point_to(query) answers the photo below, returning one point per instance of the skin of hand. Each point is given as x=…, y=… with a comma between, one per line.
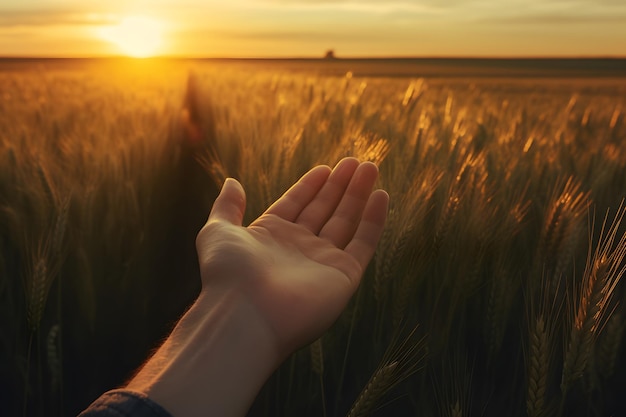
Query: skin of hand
x=267, y=289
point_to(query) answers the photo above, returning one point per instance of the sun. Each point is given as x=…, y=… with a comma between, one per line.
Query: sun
x=135, y=36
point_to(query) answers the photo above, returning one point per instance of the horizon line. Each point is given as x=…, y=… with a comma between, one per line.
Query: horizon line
x=320, y=58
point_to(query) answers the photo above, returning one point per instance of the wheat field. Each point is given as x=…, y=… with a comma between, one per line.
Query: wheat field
x=496, y=288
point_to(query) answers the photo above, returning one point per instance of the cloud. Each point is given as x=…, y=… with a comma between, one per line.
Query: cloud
x=395, y=3
x=588, y=3
x=558, y=19
x=367, y=6
x=558, y=11
x=303, y=35
x=15, y=18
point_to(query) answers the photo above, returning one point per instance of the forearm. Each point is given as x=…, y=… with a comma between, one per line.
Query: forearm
x=213, y=363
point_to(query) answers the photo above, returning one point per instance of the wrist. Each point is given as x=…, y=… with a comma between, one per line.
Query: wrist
x=214, y=362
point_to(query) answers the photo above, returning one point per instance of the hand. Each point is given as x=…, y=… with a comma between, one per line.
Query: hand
x=266, y=289
x=299, y=263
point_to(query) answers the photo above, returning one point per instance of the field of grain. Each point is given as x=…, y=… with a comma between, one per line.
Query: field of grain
x=496, y=289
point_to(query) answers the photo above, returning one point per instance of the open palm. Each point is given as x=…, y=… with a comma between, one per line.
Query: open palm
x=299, y=263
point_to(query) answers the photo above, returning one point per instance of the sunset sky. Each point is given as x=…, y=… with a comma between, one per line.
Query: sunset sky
x=279, y=28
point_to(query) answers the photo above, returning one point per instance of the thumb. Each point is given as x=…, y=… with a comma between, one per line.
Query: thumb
x=230, y=204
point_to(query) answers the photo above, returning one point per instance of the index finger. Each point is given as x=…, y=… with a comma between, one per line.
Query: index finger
x=294, y=200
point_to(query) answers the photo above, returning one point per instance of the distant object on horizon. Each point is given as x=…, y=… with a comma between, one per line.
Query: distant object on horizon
x=330, y=54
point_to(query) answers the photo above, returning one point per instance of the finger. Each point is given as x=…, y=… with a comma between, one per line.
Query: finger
x=318, y=211
x=291, y=204
x=230, y=204
x=340, y=228
x=363, y=244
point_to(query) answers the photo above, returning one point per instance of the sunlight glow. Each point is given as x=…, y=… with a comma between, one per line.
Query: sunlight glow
x=135, y=36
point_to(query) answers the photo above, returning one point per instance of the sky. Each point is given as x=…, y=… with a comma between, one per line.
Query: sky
x=308, y=28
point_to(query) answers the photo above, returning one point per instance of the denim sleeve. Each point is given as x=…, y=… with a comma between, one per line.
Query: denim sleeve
x=124, y=403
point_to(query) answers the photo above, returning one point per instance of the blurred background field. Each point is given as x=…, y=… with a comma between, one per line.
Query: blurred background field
x=504, y=244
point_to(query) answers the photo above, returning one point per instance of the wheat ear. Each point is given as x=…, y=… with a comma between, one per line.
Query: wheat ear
x=537, y=369
x=60, y=227
x=455, y=410
x=585, y=327
x=37, y=292
x=317, y=357
x=54, y=357
x=402, y=359
x=602, y=274
x=377, y=386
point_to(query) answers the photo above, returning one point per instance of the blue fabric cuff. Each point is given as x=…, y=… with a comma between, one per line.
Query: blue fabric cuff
x=124, y=403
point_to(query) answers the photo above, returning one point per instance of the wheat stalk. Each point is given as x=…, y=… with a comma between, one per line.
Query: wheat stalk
x=500, y=294
x=317, y=364
x=610, y=344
